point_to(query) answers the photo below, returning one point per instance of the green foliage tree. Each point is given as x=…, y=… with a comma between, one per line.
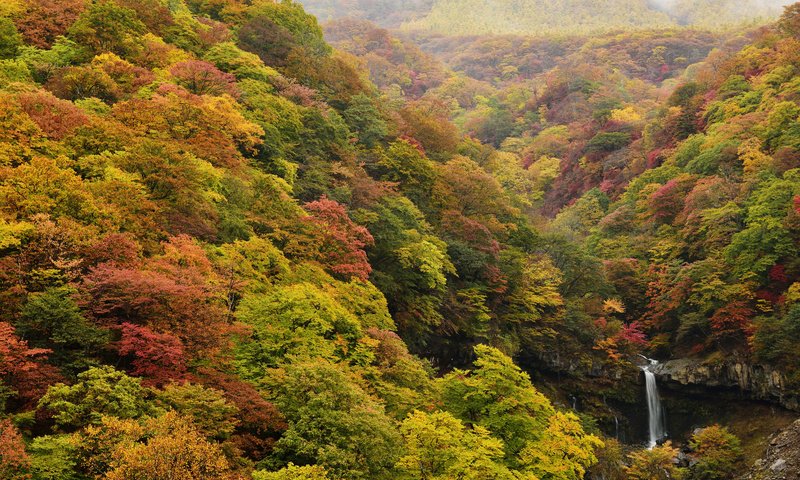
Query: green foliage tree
x=718, y=452
x=411, y=263
x=767, y=237
x=10, y=40
x=53, y=457
x=207, y=408
x=407, y=165
x=302, y=26
x=499, y=396
x=333, y=423
x=362, y=116
x=655, y=464
x=438, y=446
x=108, y=27
x=298, y=321
x=52, y=320
x=99, y=391
x=293, y=472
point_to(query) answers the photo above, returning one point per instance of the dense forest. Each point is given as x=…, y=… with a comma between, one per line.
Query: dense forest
x=236, y=243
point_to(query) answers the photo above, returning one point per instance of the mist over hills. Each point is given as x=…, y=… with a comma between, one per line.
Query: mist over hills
x=388, y=13
x=468, y=17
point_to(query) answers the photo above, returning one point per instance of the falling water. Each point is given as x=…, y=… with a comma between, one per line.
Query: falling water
x=654, y=410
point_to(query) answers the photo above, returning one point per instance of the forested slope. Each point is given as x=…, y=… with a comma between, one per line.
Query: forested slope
x=212, y=226
x=229, y=250
x=664, y=156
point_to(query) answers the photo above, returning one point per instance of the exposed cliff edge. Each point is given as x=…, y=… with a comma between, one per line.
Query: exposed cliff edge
x=755, y=381
x=782, y=458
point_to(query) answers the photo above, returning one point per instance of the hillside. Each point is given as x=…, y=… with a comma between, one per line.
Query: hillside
x=235, y=245
x=213, y=227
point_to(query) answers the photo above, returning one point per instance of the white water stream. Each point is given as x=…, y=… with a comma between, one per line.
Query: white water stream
x=655, y=412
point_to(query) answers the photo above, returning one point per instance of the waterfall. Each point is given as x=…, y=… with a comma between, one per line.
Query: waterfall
x=654, y=410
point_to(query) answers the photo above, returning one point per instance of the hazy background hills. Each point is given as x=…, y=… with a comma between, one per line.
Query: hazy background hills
x=466, y=17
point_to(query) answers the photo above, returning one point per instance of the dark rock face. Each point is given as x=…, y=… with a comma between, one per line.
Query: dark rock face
x=782, y=459
x=756, y=381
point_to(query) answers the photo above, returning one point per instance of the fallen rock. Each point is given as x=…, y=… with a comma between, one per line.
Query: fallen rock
x=782, y=458
x=778, y=466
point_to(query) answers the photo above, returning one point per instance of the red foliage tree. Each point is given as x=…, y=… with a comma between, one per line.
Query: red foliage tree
x=115, y=248
x=331, y=238
x=215, y=32
x=203, y=78
x=732, y=324
x=14, y=462
x=157, y=356
x=57, y=118
x=632, y=334
x=471, y=231
x=778, y=274
x=668, y=201
x=173, y=293
x=21, y=367
x=260, y=422
x=666, y=293
x=15, y=356
x=44, y=20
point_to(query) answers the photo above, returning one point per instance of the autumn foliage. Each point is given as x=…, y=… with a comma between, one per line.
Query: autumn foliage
x=230, y=249
x=157, y=357
x=331, y=238
x=14, y=461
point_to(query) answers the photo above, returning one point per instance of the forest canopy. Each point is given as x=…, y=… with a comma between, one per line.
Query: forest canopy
x=236, y=243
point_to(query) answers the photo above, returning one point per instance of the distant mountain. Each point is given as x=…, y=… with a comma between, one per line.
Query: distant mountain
x=387, y=13
x=537, y=17
x=468, y=17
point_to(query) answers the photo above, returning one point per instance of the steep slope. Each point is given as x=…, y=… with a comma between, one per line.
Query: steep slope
x=213, y=227
x=782, y=460
x=226, y=253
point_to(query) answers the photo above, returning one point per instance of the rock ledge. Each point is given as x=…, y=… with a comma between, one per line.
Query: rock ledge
x=756, y=381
